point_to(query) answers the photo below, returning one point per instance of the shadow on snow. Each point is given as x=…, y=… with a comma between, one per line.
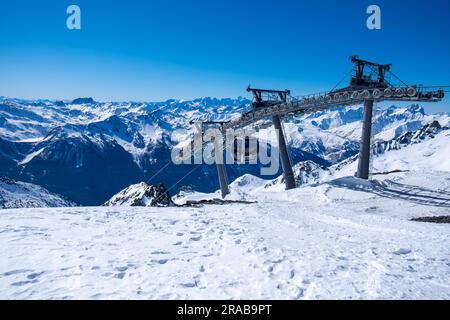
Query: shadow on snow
x=394, y=190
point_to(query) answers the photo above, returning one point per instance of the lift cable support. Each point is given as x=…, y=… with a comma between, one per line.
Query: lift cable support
x=220, y=166
x=273, y=99
x=371, y=83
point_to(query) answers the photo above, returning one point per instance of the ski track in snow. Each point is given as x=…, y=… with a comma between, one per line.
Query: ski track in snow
x=322, y=242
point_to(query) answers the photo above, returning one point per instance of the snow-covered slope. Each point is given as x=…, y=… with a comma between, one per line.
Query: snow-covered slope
x=102, y=148
x=429, y=131
x=309, y=172
x=431, y=154
x=342, y=238
x=335, y=135
x=141, y=195
x=15, y=194
x=329, y=242
x=306, y=172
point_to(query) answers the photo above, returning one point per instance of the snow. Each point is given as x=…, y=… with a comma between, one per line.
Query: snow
x=342, y=239
x=428, y=155
x=31, y=156
x=15, y=194
x=433, y=154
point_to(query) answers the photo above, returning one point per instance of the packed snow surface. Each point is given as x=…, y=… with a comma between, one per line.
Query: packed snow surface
x=342, y=238
x=346, y=239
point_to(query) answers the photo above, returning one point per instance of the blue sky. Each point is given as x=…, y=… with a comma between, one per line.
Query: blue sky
x=155, y=50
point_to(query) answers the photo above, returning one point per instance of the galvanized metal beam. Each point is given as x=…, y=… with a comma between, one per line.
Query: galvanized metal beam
x=365, y=150
x=223, y=180
x=286, y=164
x=339, y=98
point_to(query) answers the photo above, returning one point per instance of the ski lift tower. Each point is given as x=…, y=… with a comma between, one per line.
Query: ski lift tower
x=363, y=81
x=266, y=99
x=369, y=84
x=220, y=166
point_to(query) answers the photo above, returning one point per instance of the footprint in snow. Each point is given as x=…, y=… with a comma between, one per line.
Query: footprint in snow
x=122, y=269
x=160, y=252
x=292, y=274
x=402, y=251
x=293, y=291
x=13, y=272
x=35, y=275
x=161, y=261
x=22, y=283
x=188, y=285
x=196, y=238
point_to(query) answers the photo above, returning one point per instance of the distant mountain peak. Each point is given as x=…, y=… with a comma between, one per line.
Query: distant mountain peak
x=100, y=147
x=84, y=101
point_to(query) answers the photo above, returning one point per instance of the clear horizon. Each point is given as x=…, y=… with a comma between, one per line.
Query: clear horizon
x=153, y=51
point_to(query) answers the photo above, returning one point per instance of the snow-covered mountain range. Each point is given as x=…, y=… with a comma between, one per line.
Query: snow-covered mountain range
x=15, y=194
x=337, y=238
x=88, y=151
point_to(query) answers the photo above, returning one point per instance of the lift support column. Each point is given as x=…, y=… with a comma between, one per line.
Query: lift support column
x=288, y=174
x=221, y=172
x=223, y=181
x=365, y=152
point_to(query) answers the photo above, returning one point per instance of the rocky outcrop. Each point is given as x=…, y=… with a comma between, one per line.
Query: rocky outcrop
x=141, y=195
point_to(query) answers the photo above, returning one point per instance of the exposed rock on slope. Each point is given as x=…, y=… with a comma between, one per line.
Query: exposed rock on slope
x=141, y=195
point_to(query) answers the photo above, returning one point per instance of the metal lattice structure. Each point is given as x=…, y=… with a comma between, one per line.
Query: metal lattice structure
x=334, y=99
x=370, y=84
